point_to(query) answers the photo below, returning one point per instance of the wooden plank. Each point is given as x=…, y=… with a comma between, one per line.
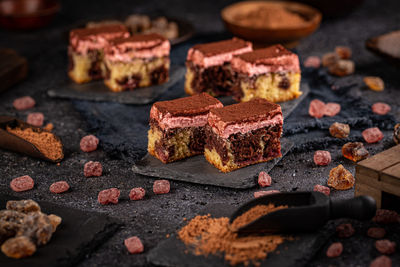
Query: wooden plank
x=393, y=171
x=378, y=184
x=362, y=170
x=382, y=160
x=368, y=180
x=363, y=189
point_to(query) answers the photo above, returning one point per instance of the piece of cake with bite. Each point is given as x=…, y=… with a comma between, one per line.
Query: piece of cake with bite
x=243, y=134
x=86, y=51
x=272, y=73
x=177, y=127
x=138, y=61
x=208, y=66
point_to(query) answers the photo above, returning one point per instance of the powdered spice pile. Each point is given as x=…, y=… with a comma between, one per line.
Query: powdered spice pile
x=207, y=235
x=274, y=16
x=44, y=141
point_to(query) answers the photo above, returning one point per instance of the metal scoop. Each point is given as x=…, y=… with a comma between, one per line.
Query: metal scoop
x=307, y=211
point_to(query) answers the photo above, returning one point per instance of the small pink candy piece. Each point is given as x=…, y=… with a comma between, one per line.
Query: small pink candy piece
x=316, y=109
x=381, y=108
x=264, y=193
x=381, y=261
x=89, y=143
x=108, y=196
x=372, y=135
x=385, y=246
x=322, y=157
x=59, y=187
x=334, y=250
x=312, y=62
x=92, y=168
x=323, y=189
x=331, y=109
x=35, y=119
x=25, y=102
x=137, y=193
x=161, y=187
x=23, y=183
x=134, y=245
x=264, y=179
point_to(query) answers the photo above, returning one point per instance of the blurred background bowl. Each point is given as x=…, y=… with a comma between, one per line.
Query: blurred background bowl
x=27, y=14
x=265, y=35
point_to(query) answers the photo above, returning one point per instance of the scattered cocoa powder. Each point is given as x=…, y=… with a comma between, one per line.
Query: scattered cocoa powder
x=271, y=16
x=253, y=214
x=207, y=235
x=44, y=141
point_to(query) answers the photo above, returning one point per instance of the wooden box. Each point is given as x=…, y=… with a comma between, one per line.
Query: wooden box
x=379, y=177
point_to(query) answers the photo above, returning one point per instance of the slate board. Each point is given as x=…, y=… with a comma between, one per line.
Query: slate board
x=296, y=253
x=79, y=234
x=287, y=107
x=97, y=91
x=198, y=170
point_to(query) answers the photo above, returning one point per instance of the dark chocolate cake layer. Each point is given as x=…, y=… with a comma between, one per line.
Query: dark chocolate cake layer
x=215, y=79
x=247, y=148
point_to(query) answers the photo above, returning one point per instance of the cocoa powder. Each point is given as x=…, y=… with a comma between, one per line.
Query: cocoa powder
x=271, y=16
x=44, y=141
x=207, y=235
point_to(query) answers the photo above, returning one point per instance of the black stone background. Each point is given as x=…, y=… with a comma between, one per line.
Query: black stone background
x=156, y=216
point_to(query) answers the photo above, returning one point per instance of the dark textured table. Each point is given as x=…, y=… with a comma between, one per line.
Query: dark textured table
x=156, y=216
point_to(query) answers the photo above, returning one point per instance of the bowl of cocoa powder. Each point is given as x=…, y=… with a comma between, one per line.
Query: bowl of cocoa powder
x=270, y=22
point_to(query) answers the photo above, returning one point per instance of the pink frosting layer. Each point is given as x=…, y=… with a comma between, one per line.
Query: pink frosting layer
x=95, y=42
x=167, y=121
x=223, y=130
x=198, y=58
x=284, y=63
x=129, y=50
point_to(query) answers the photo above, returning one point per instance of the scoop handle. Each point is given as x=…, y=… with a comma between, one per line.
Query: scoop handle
x=360, y=208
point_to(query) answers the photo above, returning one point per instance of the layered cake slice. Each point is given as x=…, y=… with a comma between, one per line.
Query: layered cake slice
x=86, y=50
x=138, y=61
x=242, y=134
x=208, y=66
x=177, y=127
x=272, y=73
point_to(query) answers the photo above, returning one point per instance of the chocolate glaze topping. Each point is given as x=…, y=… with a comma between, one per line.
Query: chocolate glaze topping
x=252, y=110
x=215, y=48
x=140, y=38
x=188, y=106
x=85, y=32
x=259, y=56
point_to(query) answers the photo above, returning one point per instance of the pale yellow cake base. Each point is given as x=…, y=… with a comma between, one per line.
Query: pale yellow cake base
x=137, y=67
x=81, y=67
x=189, y=76
x=266, y=86
x=213, y=157
x=180, y=141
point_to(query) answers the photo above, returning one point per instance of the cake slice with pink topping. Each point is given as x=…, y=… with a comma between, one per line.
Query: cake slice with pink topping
x=138, y=61
x=177, y=127
x=243, y=134
x=86, y=51
x=272, y=73
x=208, y=66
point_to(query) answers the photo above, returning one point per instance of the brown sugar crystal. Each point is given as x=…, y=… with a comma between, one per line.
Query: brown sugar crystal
x=44, y=141
x=207, y=235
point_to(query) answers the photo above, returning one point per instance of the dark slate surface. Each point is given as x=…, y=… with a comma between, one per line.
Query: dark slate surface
x=78, y=234
x=98, y=91
x=199, y=171
x=297, y=252
x=156, y=216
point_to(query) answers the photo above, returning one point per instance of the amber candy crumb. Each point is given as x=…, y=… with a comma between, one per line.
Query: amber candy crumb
x=343, y=52
x=339, y=130
x=355, y=151
x=340, y=178
x=342, y=67
x=374, y=83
